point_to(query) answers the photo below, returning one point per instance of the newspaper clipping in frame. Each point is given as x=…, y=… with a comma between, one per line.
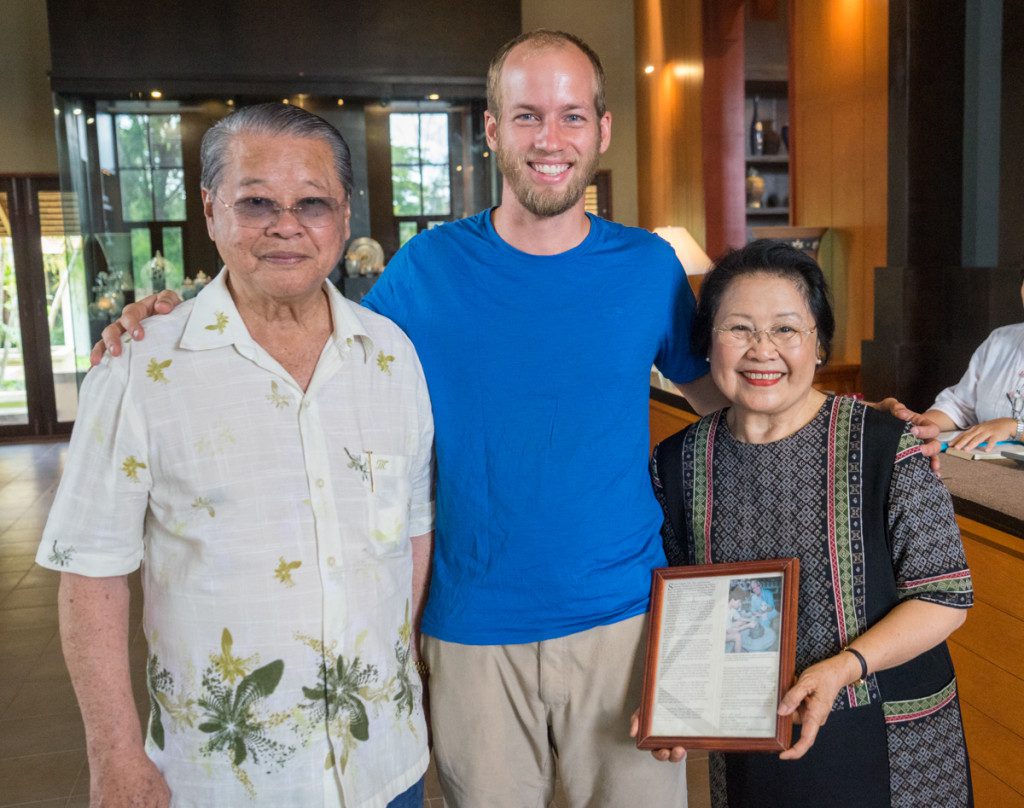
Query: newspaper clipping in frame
x=720, y=654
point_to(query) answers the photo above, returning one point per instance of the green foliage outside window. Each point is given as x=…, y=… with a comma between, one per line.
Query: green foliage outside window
x=150, y=167
x=419, y=164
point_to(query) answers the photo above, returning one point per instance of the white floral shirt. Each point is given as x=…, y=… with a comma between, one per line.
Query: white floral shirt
x=273, y=530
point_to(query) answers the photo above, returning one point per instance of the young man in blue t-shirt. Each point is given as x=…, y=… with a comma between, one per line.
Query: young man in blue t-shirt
x=537, y=326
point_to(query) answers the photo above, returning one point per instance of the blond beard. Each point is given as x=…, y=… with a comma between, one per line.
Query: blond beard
x=538, y=200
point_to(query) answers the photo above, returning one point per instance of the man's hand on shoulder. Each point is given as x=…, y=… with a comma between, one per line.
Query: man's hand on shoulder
x=131, y=781
x=923, y=428
x=130, y=322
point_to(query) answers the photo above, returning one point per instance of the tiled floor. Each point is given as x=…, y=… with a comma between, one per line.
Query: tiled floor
x=42, y=744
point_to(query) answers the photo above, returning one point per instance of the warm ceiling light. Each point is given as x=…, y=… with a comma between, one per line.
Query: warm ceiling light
x=56, y=111
x=90, y=121
x=487, y=154
x=230, y=102
x=285, y=101
x=682, y=71
x=341, y=102
x=433, y=97
x=155, y=94
x=77, y=111
x=458, y=168
x=649, y=69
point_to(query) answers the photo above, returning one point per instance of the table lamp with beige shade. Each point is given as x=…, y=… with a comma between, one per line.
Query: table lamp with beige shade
x=690, y=254
x=696, y=263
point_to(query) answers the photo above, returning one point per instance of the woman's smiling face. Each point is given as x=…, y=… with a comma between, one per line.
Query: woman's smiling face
x=763, y=378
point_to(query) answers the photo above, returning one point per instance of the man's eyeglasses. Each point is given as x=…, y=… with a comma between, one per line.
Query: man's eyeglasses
x=781, y=336
x=260, y=212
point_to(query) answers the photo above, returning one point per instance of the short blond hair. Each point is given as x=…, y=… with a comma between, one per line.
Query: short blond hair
x=537, y=40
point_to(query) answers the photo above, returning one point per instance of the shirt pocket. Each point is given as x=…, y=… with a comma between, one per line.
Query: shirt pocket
x=927, y=753
x=389, y=497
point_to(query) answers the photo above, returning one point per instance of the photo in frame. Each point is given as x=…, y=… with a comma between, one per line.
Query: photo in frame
x=721, y=652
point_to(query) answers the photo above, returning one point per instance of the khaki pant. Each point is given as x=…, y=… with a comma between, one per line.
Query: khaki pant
x=505, y=716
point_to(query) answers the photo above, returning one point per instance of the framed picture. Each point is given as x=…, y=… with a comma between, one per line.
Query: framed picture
x=721, y=653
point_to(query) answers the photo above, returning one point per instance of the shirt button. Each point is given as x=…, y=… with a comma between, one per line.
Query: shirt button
x=319, y=483
x=305, y=404
x=331, y=561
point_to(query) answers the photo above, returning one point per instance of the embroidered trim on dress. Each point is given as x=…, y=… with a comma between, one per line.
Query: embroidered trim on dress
x=910, y=709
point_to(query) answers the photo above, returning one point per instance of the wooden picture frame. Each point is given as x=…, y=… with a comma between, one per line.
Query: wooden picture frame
x=719, y=661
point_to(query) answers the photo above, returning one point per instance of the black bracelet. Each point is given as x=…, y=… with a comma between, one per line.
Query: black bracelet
x=863, y=664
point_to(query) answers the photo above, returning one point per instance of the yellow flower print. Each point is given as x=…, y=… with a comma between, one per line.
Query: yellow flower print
x=220, y=324
x=155, y=370
x=227, y=664
x=131, y=466
x=284, y=569
x=279, y=399
x=384, y=362
x=405, y=630
x=204, y=504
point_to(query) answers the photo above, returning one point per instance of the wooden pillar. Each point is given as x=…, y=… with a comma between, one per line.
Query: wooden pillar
x=724, y=127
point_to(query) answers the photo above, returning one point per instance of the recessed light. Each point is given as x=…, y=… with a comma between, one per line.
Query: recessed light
x=433, y=97
x=649, y=69
x=155, y=94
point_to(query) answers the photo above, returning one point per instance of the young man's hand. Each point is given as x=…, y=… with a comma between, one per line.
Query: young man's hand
x=130, y=322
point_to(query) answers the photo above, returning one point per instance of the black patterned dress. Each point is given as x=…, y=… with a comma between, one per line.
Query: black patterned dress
x=851, y=495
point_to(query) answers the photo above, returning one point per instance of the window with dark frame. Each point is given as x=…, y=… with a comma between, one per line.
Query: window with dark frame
x=420, y=171
x=143, y=150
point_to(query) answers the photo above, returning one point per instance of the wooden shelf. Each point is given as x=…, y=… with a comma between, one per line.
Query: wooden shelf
x=767, y=211
x=768, y=159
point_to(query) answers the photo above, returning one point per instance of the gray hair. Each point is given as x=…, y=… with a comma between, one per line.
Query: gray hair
x=271, y=119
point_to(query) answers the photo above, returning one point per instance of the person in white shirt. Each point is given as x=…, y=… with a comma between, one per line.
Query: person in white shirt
x=988, y=402
x=265, y=455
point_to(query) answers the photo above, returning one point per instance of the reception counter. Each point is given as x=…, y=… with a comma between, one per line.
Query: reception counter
x=988, y=650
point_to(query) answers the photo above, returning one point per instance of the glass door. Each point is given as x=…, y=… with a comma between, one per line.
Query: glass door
x=41, y=289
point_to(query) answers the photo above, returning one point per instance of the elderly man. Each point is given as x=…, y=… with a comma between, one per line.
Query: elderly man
x=265, y=454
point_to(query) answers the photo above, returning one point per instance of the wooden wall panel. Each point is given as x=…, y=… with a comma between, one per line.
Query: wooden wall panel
x=995, y=748
x=666, y=421
x=990, y=790
x=668, y=107
x=989, y=689
x=988, y=652
x=876, y=149
x=839, y=99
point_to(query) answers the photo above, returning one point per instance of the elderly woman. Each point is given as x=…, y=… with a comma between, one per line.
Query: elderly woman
x=265, y=455
x=794, y=472
x=988, y=402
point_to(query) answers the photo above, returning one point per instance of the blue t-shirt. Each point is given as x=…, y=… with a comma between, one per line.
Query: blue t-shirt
x=539, y=377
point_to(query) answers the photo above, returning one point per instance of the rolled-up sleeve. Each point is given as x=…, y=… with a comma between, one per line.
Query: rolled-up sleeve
x=95, y=527
x=421, y=511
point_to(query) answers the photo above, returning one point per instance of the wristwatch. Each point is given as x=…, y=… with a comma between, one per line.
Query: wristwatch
x=1019, y=434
